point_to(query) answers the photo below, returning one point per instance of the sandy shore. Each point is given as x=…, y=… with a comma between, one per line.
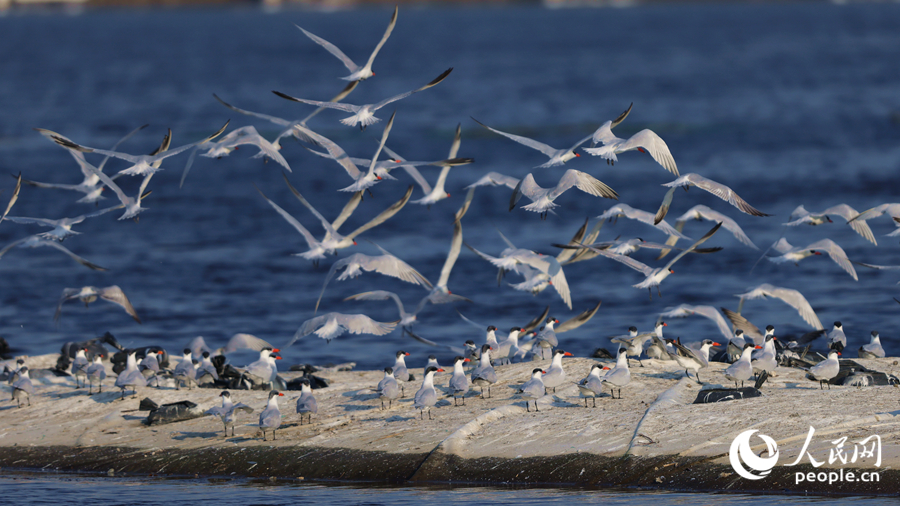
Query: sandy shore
x=653, y=437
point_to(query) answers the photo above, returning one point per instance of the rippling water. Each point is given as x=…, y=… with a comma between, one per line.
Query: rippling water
x=788, y=104
x=149, y=492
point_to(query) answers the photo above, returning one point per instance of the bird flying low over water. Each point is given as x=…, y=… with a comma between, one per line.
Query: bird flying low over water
x=795, y=254
x=364, y=115
x=34, y=241
x=701, y=212
x=331, y=325
x=631, y=213
x=718, y=189
x=88, y=294
x=357, y=73
x=542, y=198
x=385, y=264
x=800, y=216
x=790, y=297
x=645, y=141
x=557, y=156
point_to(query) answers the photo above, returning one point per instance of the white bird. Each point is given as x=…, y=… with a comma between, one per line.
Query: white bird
x=306, y=403
x=827, y=369
x=533, y=389
x=710, y=312
x=655, y=276
x=440, y=293
x=741, y=370
x=592, y=385
x=765, y=360
x=142, y=165
x=270, y=418
x=557, y=156
x=185, y=372
x=555, y=375
x=795, y=254
x=288, y=125
x=61, y=228
x=388, y=387
x=522, y=261
x=357, y=73
x=385, y=264
x=227, y=411
x=495, y=179
x=332, y=240
x=331, y=325
x=790, y=297
x=364, y=115
x=718, y=189
x=79, y=366
x=437, y=193
x=542, y=198
x=631, y=213
x=365, y=180
x=619, y=376
x=873, y=349
x=130, y=376
x=406, y=319
x=233, y=140
x=837, y=336
x=426, y=396
x=800, y=216
x=645, y=141
x=484, y=375
x=693, y=359
x=459, y=382
x=892, y=210
x=22, y=388
x=90, y=185
x=264, y=370
x=34, y=241
x=96, y=372
x=88, y=294
x=634, y=342
x=701, y=212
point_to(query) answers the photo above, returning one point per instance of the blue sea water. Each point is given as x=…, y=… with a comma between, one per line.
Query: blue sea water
x=788, y=104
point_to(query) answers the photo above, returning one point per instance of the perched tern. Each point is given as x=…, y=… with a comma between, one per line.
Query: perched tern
x=400, y=372
x=426, y=396
x=96, y=372
x=131, y=376
x=22, y=388
x=533, y=389
x=388, y=387
x=270, y=418
x=555, y=375
x=459, y=382
x=592, y=385
x=694, y=359
x=79, y=367
x=873, y=349
x=826, y=370
x=227, y=411
x=484, y=375
x=185, y=372
x=619, y=376
x=741, y=370
x=306, y=403
x=645, y=141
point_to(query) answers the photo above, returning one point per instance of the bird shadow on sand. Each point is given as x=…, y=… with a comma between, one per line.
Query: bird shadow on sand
x=4, y=408
x=202, y=435
x=357, y=407
x=664, y=375
x=563, y=403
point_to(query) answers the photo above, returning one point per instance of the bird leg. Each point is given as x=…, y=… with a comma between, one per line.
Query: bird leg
x=639, y=361
x=657, y=291
x=528, y=406
x=535, y=406
x=429, y=415
x=650, y=291
x=585, y=402
x=594, y=400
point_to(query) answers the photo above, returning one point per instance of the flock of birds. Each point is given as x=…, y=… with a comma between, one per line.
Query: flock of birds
x=752, y=352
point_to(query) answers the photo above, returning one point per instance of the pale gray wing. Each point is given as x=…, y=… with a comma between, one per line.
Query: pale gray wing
x=24, y=220
x=390, y=265
x=244, y=342
x=527, y=187
x=836, y=253
x=875, y=212
x=465, y=206
x=725, y=193
x=664, y=206
x=642, y=216
x=566, y=254
x=384, y=136
x=273, y=119
x=14, y=197
x=325, y=224
x=454, y=349
x=379, y=295
x=93, y=170
x=452, y=255
x=395, y=98
x=782, y=246
x=242, y=407
x=73, y=256
x=68, y=294
x=470, y=322
x=115, y=295
x=531, y=143
x=710, y=312
x=798, y=213
x=411, y=170
x=859, y=226
x=495, y=179
x=339, y=155
x=318, y=103
x=362, y=324
x=457, y=139
x=331, y=48
x=384, y=38
x=348, y=209
x=693, y=246
x=577, y=321
x=310, y=240
x=790, y=297
x=604, y=133
x=648, y=140
x=334, y=268
x=384, y=215
x=627, y=260
x=727, y=223
x=584, y=182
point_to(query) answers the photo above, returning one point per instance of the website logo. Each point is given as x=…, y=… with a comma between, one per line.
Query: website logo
x=742, y=455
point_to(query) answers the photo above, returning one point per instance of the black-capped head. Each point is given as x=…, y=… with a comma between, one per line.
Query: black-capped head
x=432, y=357
x=23, y=369
x=186, y=351
x=838, y=324
x=770, y=328
x=20, y=362
x=205, y=354
x=491, y=328
x=738, y=333
x=749, y=345
x=485, y=348
x=432, y=369
x=389, y=370
x=275, y=393
x=402, y=353
x=515, y=329
x=225, y=393
x=470, y=343
x=632, y=329
x=536, y=370
x=304, y=381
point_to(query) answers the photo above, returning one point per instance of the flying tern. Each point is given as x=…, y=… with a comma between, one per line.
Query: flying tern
x=88, y=294
x=800, y=216
x=645, y=141
x=542, y=199
x=718, y=189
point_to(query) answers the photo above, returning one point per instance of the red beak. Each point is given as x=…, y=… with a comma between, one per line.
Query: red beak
x=280, y=394
x=577, y=155
x=276, y=350
x=665, y=324
x=757, y=347
x=407, y=354
x=466, y=360
x=440, y=370
x=567, y=354
x=716, y=344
